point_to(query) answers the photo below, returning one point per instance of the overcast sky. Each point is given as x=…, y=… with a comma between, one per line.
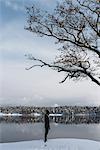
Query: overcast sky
x=37, y=86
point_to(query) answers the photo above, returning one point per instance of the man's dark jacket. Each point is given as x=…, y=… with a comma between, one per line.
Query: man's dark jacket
x=47, y=124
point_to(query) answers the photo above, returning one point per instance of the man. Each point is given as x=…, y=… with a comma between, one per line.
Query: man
x=47, y=124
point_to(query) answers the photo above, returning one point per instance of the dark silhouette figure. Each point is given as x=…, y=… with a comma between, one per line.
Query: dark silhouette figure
x=47, y=124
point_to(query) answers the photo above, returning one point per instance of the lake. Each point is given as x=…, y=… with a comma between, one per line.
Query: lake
x=14, y=132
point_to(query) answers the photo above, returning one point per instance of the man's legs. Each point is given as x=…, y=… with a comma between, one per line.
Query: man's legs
x=46, y=133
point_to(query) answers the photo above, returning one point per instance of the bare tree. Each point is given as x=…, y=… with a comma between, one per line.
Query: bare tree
x=75, y=25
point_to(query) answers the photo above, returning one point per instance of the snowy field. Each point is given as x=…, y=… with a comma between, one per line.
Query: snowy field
x=53, y=144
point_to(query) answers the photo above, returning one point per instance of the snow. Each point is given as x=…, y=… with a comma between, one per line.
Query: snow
x=52, y=115
x=55, y=115
x=53, y=144
x=36, y=114
x=9, y=114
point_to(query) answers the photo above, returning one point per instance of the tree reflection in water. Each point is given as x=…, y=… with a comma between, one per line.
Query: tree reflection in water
x=66, y=119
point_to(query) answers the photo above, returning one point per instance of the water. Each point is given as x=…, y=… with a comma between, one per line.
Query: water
x=13, y=132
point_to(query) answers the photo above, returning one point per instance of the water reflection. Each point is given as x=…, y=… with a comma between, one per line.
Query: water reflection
x=12, y=132
x=66, y=119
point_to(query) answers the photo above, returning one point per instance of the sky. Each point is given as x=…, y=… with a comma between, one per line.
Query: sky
x=38, y=87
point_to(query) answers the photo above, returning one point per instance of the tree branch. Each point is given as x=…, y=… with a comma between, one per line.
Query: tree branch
x=76, y=27
x=71, y=72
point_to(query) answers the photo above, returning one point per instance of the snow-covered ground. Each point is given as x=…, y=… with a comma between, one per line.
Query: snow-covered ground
x=35, y=114
x=9, y=114
x=53, y=144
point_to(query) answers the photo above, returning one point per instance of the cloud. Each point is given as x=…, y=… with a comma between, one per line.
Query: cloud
x=41, y=87
x=37, y=86
x=15, y=5
x=19, y=5
x=16, y=42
